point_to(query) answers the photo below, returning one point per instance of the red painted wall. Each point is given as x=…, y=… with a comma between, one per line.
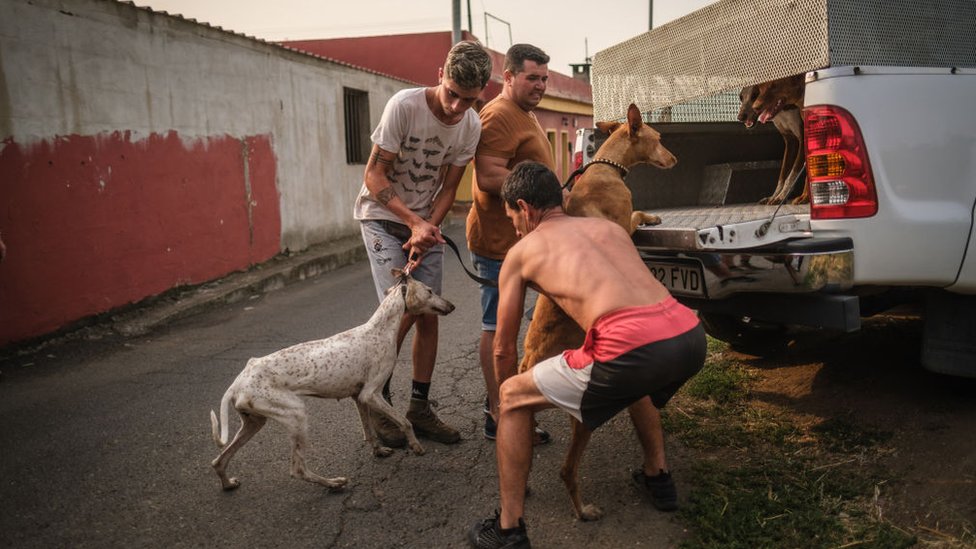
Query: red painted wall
x=96, y=222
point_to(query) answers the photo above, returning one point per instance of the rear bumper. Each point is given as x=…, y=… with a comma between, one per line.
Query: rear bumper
x=798, y=266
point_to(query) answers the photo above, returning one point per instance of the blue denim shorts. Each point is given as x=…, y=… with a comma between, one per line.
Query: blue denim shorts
x=384, y=242
x=488, y=268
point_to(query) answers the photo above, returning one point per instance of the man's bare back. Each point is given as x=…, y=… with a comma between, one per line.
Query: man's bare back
x=572, y=259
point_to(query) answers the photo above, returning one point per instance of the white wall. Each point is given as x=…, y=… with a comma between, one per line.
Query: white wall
x=86, y=67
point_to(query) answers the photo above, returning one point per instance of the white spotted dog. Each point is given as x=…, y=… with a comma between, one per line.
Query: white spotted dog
x=355, y=363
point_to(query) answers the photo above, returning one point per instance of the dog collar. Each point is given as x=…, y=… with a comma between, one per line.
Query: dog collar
x=568, y=185
x=623, y=171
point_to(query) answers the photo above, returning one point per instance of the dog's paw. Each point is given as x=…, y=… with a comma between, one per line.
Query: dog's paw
x=651, y=219
x=640, y=218
x=231, y=484
x=336, y=484
x=382, y=451
x=590, y=512
x=417, y=449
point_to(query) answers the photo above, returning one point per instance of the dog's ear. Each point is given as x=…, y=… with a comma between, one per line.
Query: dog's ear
x=607, y=127
x=399, y=275
x=634, y=119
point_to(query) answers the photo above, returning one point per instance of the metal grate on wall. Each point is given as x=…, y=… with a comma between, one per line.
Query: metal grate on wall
x=692, y=67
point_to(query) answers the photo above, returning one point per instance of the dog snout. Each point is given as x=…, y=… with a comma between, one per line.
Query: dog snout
x=665, y=159
x=443, y=306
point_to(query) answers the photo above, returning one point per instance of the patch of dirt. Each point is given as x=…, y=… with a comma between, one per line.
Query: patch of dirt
x=873, y=379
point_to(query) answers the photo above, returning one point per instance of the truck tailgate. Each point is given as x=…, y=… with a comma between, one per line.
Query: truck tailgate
x=723, y=227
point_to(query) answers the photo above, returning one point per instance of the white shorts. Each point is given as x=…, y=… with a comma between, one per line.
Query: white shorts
x=562, y=385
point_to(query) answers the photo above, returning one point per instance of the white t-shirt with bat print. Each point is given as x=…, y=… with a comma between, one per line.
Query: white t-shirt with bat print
x=423, y=144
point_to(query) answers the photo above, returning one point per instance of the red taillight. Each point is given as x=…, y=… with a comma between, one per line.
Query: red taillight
x=577, y=160
x=841, y=185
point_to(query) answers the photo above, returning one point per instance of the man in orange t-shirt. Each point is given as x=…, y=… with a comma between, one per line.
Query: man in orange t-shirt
x=510, y=133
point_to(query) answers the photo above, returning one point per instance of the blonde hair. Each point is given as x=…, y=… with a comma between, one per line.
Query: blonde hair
x=468, y=65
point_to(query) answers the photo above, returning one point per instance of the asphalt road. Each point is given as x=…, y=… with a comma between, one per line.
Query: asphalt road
x=106, y=443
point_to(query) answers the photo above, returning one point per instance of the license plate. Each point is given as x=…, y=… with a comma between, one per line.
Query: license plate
x=680, y=278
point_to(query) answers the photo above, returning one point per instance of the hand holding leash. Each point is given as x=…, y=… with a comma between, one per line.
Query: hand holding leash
x=423, y=236
x=412, y=261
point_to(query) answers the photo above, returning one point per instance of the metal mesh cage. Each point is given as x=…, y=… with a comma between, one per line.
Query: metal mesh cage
x=723, y=107
x=734, y=43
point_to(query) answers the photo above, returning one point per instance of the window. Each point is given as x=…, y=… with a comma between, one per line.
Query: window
x=355, y=105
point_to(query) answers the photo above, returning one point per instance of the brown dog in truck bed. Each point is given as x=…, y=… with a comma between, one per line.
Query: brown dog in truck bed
x=781, y=101
x=599, y=192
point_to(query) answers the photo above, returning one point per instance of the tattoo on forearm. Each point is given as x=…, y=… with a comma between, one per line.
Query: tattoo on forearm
x=385, y=195
x=379, y=159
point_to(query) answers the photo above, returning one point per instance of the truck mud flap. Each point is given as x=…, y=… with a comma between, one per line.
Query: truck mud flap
x=949, y=339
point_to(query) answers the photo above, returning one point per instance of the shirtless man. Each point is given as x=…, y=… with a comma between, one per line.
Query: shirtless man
x=639, y=340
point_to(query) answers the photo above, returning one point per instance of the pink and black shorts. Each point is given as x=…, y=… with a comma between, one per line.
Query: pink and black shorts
x=628, y=354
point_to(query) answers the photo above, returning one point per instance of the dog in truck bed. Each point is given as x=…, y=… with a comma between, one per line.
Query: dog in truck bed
x=781, y=101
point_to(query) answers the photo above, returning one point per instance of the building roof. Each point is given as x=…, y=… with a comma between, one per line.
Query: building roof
x=416, y=57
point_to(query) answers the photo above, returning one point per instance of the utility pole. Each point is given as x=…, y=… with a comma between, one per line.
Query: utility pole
x=455, y=21
x=650, y=14
x=470, y=26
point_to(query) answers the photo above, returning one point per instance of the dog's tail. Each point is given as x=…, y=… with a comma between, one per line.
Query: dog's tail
x=221, y=437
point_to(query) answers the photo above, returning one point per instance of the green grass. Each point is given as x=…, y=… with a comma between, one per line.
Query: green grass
x=720, y=380
x=767, y=482
x=842, y=435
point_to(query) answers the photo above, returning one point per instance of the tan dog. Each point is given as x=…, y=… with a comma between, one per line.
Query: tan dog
x=599, y=192
x=780, y=101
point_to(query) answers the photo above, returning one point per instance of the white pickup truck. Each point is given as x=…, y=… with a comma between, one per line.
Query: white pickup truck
x=890, y=144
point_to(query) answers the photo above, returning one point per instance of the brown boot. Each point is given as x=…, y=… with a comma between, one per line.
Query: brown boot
x=426, y=423
x=387, y=431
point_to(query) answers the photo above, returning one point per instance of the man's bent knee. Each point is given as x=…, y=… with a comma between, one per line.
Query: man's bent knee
x=520, y=391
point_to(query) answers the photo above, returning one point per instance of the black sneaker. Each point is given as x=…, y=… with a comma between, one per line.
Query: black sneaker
x=540, y=436
x=486, y=534
x=660, y=487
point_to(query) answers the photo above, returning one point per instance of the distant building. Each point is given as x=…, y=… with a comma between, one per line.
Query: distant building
x=567, y=105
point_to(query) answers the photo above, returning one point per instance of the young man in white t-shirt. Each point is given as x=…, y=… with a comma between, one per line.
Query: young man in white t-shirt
x=421, y=146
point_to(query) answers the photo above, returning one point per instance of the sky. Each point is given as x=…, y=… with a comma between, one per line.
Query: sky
x=568, y=30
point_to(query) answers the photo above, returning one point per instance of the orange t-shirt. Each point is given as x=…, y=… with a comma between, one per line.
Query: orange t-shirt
x=508, y=132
